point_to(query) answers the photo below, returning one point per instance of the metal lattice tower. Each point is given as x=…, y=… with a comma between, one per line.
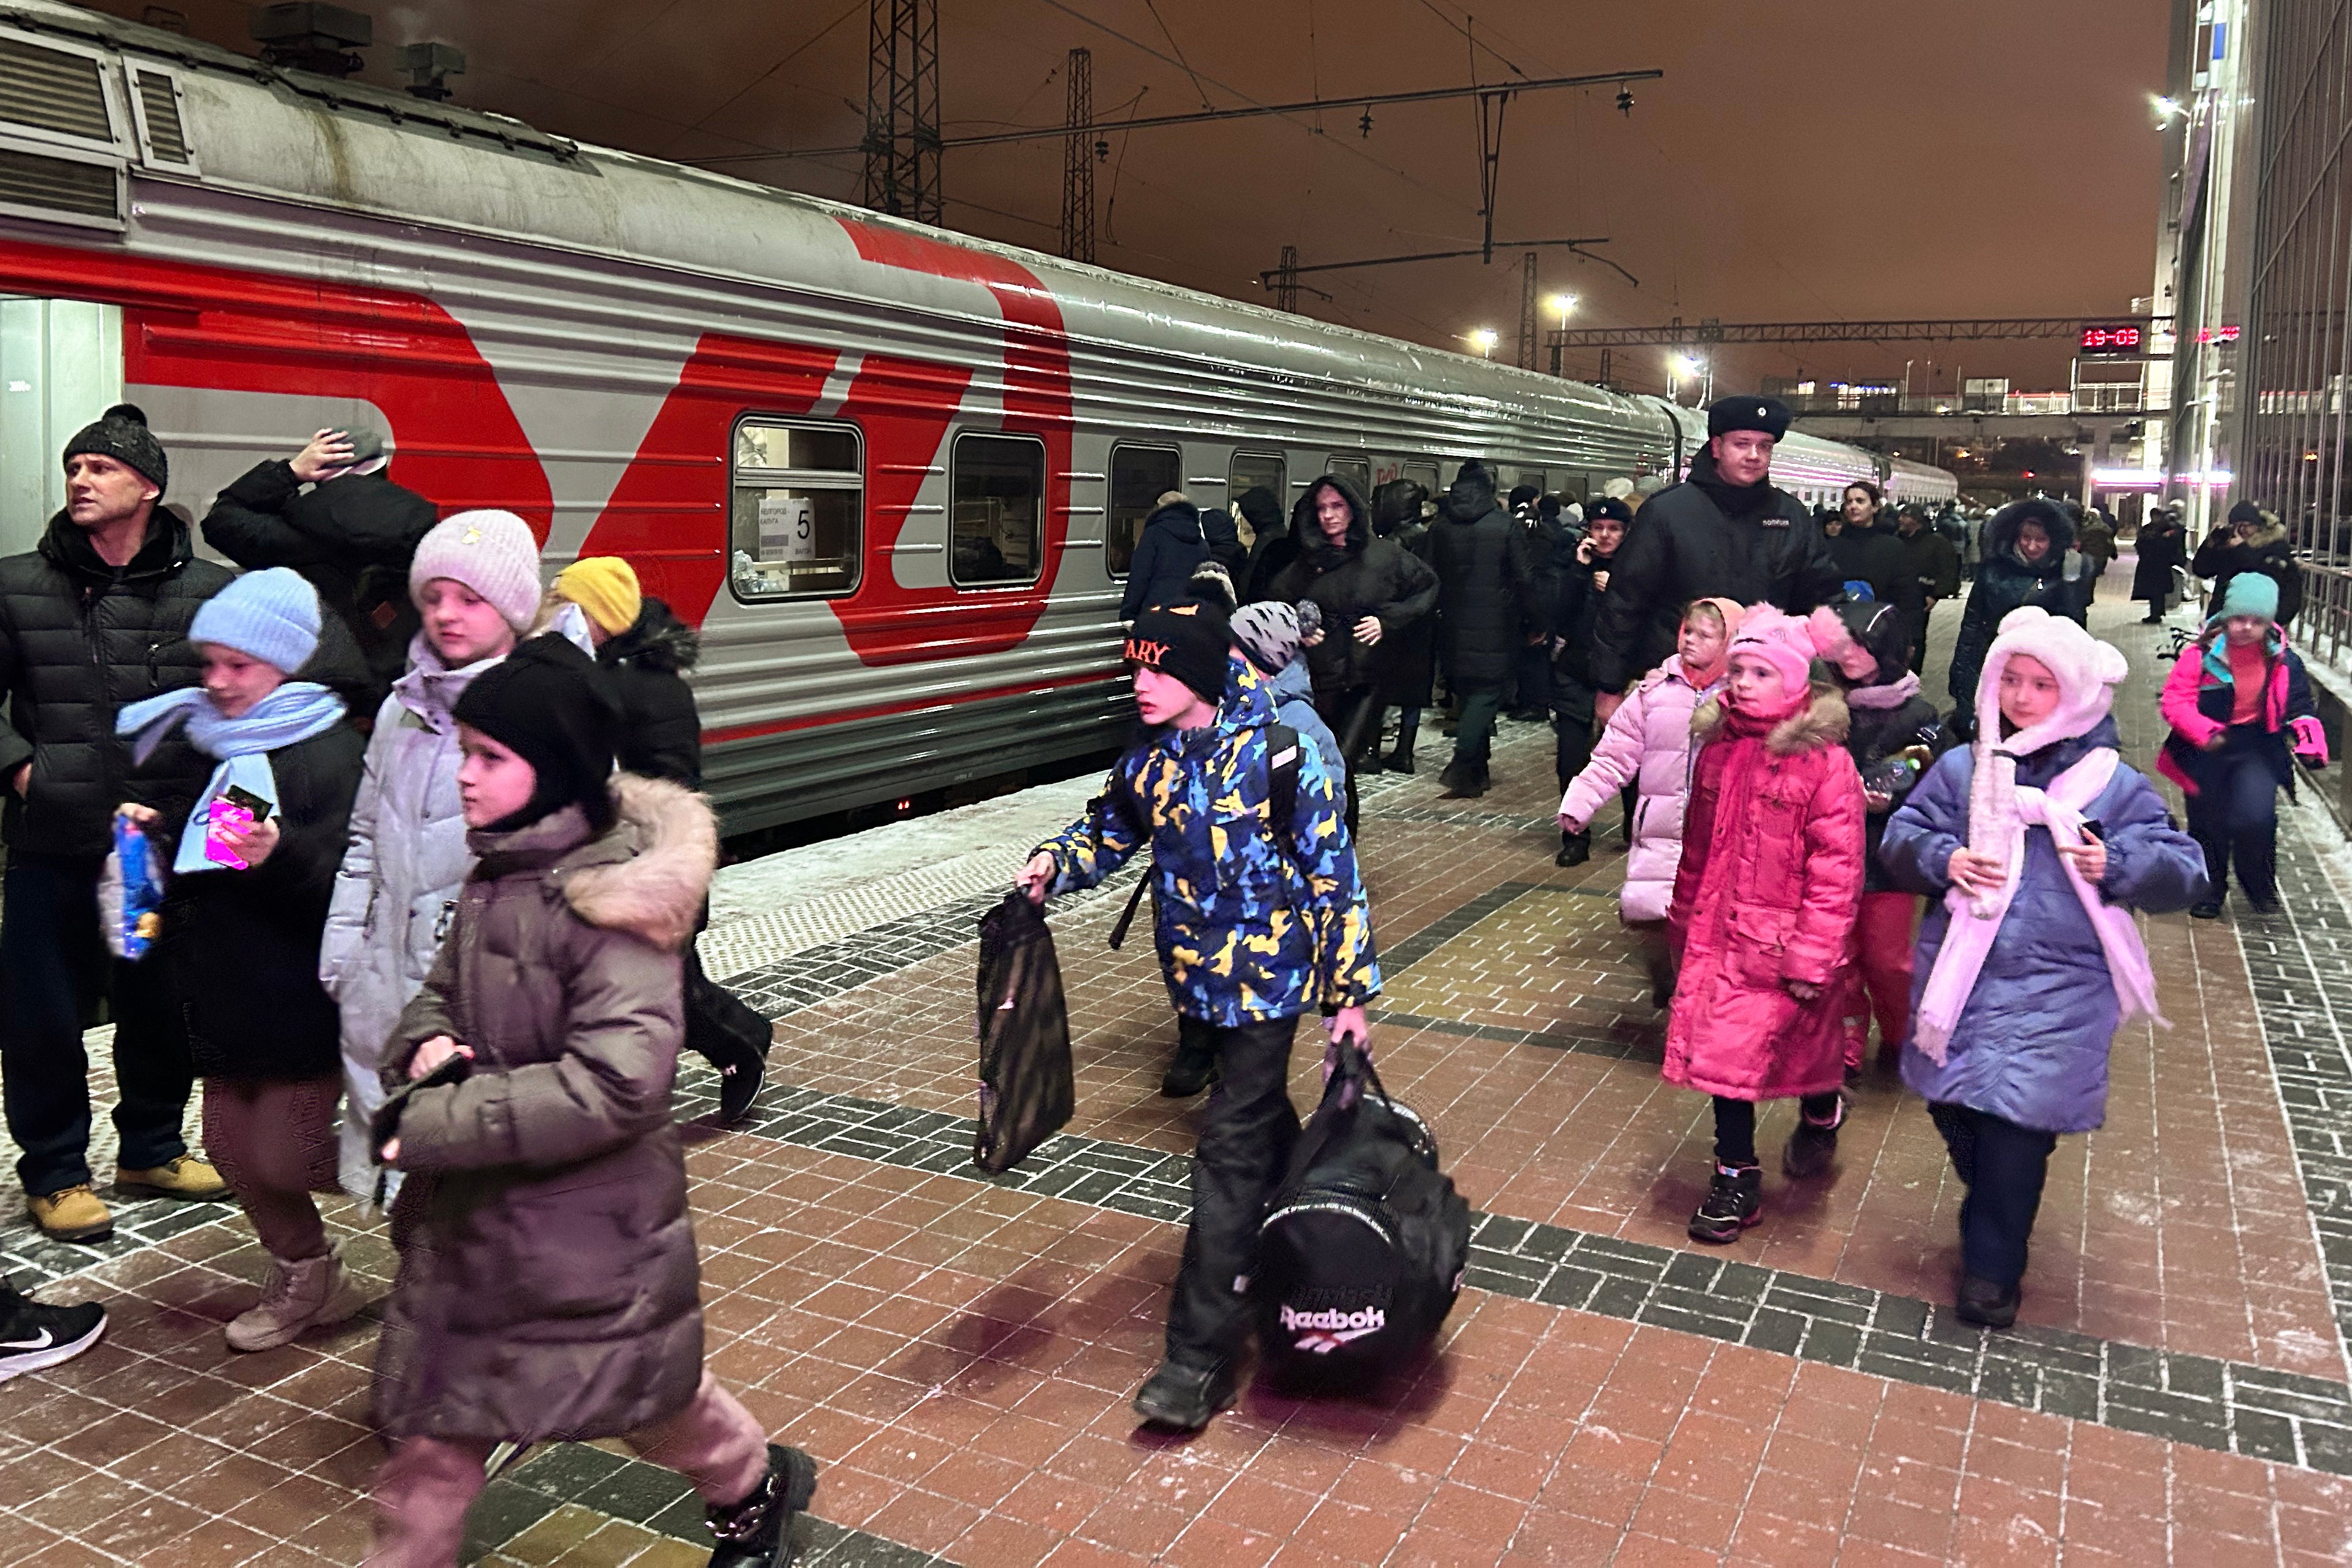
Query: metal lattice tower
x=902, y=109
x=1285, y=280
x=1529, y=328
x=1078, y=161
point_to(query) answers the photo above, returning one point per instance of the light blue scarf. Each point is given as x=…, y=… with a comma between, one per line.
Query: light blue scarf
x=293, y=713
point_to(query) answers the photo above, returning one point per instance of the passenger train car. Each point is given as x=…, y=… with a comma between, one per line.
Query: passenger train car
x=894, y=475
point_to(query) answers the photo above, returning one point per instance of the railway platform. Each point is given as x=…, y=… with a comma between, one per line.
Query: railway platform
x=960, y=1352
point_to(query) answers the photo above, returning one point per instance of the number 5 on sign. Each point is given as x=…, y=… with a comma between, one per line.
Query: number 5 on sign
x=787, y=528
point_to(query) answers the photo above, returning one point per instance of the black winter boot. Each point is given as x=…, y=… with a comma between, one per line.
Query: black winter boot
x=1190, y=1073
x=1185, y=1397
x=758, y=1531
x=1986, y=1304
x=1811, y=1146
x=1734, y=1203
x=1400, y=760
x=1575, y=849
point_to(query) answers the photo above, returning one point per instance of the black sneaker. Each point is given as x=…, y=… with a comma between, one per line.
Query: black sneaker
x=33, y=1336
x=1811, y=1147
x=1734, y=1203
x=1986, y=1304
x=1370, y=764
x=1575, y=849
x=1189, y=1074
x=1184, y=1396
x=1400, y=760
x=758, y=1531
x=2210, y=910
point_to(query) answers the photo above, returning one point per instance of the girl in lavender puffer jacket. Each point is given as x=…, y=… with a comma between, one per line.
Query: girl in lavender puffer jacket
x=1648, y=745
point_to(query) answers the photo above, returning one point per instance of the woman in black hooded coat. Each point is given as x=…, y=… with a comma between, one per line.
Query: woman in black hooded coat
x=2018, y=570
x=1357, y=579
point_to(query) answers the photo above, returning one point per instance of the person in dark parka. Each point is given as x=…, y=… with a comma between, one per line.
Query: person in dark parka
x=2029, y=559
x=1935, y=563
x=2251, y=539
x=643, y=651
x=1532, y=696
x=2163, y=548
x=1369, y=590
x=1223, y=539
x=1170, y=549
x=1866, y=551
x=93, y=617
x=1581, y=574
x=1490, y=609
x=1725, y=532
x=351, y=533
x=1271, y=546
x=1400, y=513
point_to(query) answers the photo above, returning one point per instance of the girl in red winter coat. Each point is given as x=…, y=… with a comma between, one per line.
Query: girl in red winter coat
x=1764, y=905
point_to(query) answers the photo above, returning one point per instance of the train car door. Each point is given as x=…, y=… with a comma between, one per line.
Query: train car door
x=61, y=367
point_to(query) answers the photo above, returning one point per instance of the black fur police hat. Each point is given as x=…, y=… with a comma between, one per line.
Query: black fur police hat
x=1747, y=412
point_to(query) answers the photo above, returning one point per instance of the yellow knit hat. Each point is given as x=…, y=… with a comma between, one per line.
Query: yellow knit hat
x=606, y=587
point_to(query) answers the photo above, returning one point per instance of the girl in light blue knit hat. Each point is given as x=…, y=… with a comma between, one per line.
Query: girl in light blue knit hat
x=241, y=921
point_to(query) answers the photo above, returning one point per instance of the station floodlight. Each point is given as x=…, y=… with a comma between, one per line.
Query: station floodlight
x=1485, y=337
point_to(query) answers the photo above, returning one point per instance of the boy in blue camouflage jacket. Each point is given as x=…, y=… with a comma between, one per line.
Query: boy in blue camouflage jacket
x=1257, y=922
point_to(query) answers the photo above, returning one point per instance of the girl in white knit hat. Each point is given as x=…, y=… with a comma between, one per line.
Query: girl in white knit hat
x=474, y=580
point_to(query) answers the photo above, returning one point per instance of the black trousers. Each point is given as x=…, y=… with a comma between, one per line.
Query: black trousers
x=1919, y=645
x=1571, y=724
x=1245, y=1139
x=2003, y=1166
x=1533, y=682
x=54, y=966
x=1473, y=737
x=1354, y=715
x=2235, y=815
x=1735, y=1124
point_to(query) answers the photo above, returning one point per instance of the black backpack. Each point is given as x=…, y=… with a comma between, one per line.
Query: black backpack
x=1361, y=1252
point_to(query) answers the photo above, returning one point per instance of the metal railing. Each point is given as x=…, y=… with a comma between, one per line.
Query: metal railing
x=2323, y=627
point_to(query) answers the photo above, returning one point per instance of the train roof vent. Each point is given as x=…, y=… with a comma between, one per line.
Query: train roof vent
x=53, y=90
x=72, y=190
x=163, y=131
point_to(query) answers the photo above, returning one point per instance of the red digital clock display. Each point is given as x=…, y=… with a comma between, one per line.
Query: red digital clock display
x=2119, y=338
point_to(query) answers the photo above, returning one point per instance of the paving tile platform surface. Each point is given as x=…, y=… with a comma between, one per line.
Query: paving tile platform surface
x=959, y=1351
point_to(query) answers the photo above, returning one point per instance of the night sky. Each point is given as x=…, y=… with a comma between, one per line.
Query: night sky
x=1828, y=159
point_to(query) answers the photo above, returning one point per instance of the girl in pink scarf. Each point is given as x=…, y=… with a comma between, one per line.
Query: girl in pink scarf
x=2034, y=846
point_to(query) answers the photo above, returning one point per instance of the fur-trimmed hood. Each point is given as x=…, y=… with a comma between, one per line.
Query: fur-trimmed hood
x=658, y=867
x=2270, y=530
x=1821, y=722
x=659, y=641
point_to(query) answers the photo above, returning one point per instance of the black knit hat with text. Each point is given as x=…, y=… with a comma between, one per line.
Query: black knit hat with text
x=547, y=703
x=122, y=433
x=1189, y=641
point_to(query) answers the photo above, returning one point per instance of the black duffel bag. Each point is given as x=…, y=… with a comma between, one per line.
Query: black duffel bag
x=1026, y=1087
x=1362, y=1250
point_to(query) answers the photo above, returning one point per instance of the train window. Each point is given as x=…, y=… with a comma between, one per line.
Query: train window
x=1356, y=471
x=1139, y=476
x=1423, y=474
x=799, y=510
x=998, y=486
x=1257, y=470
x=1535, y=477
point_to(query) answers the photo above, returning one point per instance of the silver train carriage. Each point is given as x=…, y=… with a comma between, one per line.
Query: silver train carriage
x=893, y=474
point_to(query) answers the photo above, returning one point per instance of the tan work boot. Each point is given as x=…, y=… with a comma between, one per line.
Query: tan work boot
x=310, y=1292
x=186, y=1177
x=71, y=1214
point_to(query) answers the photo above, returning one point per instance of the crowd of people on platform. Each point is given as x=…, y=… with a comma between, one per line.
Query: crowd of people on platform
x=437, y=863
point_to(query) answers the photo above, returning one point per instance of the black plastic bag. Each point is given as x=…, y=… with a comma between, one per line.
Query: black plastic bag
x=1026, y=1087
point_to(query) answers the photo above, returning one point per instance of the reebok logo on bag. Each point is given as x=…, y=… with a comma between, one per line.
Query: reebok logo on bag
x=1320, y=1333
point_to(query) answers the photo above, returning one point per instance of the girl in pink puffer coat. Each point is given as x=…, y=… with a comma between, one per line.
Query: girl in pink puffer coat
x=1764, y=905
x=1648, y=743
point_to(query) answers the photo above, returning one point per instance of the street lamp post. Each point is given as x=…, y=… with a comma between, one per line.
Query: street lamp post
x=1485, y=337
x=1563, y=303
